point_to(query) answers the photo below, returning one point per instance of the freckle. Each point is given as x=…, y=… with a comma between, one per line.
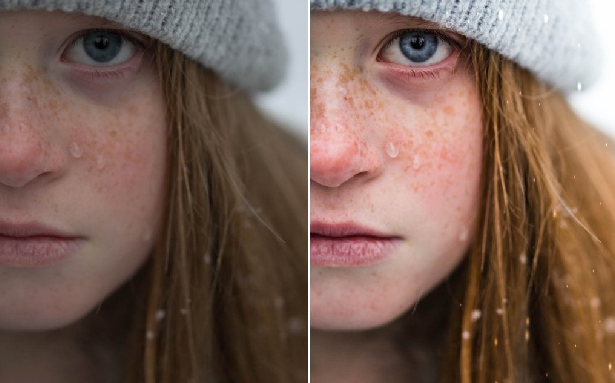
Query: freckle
x=313, y=92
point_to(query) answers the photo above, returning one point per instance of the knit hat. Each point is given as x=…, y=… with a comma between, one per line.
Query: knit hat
x=237, y=39
x=554, y=39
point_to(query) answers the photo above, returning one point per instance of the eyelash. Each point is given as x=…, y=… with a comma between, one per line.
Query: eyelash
x=413, y=72
x=97, y=73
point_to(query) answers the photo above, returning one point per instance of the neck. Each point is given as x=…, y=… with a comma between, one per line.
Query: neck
x=48, y=356
x=89, y=350
x=406, y=350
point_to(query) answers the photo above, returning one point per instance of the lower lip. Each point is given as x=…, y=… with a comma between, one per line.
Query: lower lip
x=352, y=251
x=35, y=251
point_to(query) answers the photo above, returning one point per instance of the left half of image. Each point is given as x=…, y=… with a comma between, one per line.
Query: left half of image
x=153, y=192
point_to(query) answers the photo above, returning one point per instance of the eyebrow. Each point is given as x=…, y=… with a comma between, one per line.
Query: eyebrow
x=82, y=20
x=397, y=20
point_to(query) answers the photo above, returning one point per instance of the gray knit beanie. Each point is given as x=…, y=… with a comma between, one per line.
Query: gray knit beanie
x=554, y=39
x=238, y=39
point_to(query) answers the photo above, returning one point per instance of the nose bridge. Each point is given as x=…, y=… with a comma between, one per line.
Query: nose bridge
x=17, y=92
x=338, y=150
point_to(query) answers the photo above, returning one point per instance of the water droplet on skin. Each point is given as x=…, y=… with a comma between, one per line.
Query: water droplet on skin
x=476, y=314
x=100, y=162
x=149, y=335
x=160, y=314
x=416, y=162
x=75, y=150
x=523, y=258
x=499, y=311
x=546, y=18
x=579, y=86
x=501, y=15
x=392, y=150
x=463, y=236
x=465, y=335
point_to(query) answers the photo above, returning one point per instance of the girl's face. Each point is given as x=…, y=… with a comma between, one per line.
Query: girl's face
x=82, y=153
x=396, y=151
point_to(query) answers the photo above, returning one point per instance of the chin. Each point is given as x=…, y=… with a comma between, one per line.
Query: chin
x=355, y=316
x=43, y=313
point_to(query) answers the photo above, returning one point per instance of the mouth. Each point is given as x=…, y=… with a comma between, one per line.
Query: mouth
x=349, y=245
x=34, y=245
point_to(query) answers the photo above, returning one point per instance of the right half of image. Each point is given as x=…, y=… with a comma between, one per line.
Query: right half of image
x=462, y=192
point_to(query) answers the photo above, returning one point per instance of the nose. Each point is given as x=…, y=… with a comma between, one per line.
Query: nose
x=24, y=155
x=338, y=155
x=27, y=151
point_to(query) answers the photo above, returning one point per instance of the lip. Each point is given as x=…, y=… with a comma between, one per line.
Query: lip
x=35, y=245
x=349, y=245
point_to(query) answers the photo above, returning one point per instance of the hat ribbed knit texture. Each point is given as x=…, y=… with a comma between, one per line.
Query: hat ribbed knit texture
x=238, y=39
x=554, y=39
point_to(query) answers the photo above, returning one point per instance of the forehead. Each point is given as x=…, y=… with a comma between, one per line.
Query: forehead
x=41, y=33
x=43, y=19
x=345, y=27
x=371, y=19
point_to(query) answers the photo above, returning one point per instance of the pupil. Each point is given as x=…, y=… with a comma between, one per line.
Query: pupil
x=417, y=42
x=101, y=42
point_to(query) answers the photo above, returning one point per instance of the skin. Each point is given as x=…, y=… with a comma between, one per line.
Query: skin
x=400, y=154
x=83, y=154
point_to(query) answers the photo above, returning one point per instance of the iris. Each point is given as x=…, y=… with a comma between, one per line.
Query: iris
x=102, y=46
x=418, y=46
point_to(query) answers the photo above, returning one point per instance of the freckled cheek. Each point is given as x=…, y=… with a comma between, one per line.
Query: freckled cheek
x=443, y=168
x=122, y=155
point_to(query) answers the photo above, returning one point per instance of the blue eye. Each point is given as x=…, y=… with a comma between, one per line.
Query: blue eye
x=416, y=49
x=418, y=46
x=101, y=48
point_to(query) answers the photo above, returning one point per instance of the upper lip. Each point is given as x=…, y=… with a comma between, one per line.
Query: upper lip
x=346, y=229
x=31, y=229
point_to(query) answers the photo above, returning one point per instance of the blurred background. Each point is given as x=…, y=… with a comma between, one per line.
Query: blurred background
x=598, y=102
x=289, y=102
